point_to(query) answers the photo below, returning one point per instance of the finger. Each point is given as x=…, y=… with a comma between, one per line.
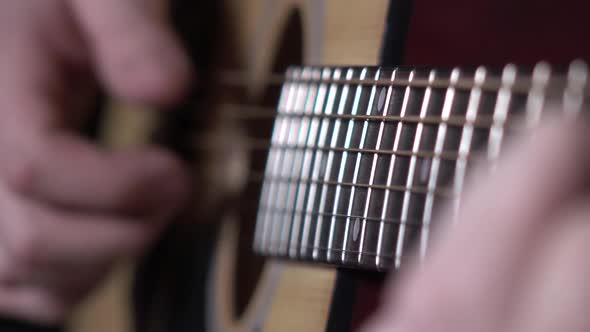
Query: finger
x=17, y=274
x=37, y=237
x=32, y=303
x=31, y=79
x=467, y=282
x=137, y=54
x=63, y=168
x=70, y=172
x=504, y=215
x=52, y=275
x=557, y=294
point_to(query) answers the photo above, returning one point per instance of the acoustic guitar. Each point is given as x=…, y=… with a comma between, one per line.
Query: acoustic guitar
x=329, y=135
x=347, y=152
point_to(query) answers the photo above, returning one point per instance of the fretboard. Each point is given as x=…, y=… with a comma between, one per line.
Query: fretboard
x=362, y=159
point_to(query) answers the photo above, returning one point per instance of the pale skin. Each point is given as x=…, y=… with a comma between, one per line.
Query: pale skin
x=67, y=208
x=516, y=260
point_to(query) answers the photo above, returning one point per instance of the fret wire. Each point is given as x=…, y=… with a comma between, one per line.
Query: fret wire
x=536, y=97
x=500, y=112
x=330, y=160
x=278, y=196
x=465, y=144
x=392, y=163
x=343, y=161
x=301, y=190
x=296, y=134
x=357, y=163
x=259, y=233
x=297, y=166
x=410, y=177
x=275, y=160
x=443, y=132
x=435, y=164
x=576, y=89
x=319, y=157
x=385, y=109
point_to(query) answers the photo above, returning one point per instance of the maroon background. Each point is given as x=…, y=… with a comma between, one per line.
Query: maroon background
x=472, y=32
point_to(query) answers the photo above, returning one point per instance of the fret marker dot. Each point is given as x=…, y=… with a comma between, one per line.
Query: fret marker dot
x=323, y=167
x=381, y=103
x=356, y=229
x=425, y=170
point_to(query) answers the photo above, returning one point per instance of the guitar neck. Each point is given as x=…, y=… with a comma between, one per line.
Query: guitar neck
x=362, y=159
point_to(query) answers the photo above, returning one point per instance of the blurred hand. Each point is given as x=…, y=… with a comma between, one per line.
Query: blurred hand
x=67, y=208
x=517, y=260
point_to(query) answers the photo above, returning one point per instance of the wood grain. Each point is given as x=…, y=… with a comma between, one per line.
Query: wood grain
x=302, y=300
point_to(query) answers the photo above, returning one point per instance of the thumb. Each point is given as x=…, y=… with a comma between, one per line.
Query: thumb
x=136, y=54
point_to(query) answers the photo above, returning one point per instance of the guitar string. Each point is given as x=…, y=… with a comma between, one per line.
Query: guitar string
x=336, y=250
x=424, y=154
x=247, y=112
x=376, y=220
x=493, y=84
x=263, y=145
x=486, y=123
x=393, y=221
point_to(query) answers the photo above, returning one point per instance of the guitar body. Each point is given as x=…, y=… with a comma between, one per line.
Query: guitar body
x=240, y=292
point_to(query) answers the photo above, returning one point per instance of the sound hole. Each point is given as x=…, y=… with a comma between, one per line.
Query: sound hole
x=249, y=266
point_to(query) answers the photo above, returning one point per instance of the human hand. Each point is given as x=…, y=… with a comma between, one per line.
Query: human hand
x=517, y=258
x=67, y=208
